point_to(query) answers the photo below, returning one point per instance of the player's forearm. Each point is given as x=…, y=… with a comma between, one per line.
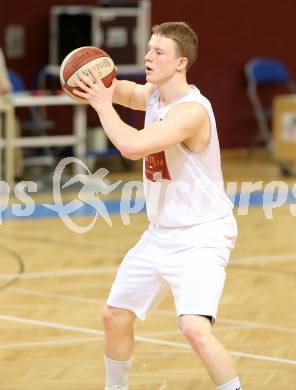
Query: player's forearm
x=124, y=137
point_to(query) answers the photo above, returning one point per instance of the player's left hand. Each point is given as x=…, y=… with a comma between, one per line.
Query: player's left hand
x=94, y=90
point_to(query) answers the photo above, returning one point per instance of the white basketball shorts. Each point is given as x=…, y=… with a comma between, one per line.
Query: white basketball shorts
x=189, y=261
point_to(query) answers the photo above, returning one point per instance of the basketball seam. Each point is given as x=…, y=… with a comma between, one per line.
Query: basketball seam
x=66, y=81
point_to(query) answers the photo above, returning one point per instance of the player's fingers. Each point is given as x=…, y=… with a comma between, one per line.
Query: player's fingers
x=80, y=93
x=113, y=85
x=79, y=82
x=95, y=75
x=86, y=79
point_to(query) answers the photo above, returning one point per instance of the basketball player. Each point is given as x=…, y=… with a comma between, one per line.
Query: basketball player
x=192, y=229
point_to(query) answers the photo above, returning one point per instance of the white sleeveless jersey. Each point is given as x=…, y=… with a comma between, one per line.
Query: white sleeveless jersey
x=183, y=188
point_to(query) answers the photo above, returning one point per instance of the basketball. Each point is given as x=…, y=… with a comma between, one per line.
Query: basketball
x=82, y=60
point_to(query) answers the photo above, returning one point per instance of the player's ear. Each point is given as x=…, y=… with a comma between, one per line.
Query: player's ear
x=182, y=63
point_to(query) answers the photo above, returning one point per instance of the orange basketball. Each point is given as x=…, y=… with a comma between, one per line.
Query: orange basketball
x=81, y=60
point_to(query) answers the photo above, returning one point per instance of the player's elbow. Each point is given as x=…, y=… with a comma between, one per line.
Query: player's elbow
x=131, y=152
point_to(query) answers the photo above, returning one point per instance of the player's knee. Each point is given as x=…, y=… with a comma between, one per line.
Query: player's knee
x=107, y=317
x=197, y=338
x=197, y=332
x=115, y=319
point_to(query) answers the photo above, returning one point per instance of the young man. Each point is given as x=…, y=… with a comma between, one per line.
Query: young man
x=192, y=229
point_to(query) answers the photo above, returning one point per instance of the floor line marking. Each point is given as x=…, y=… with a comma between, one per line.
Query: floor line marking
x=53, y=325
x=49, y=343
x=234, y=353
x=46, y=294
x=138, y=338
x=248, y=324
x=221, y=329
x=105, y=270
x=260, y=325
x=236, y=323
x=269, y=258
x=60, y=273
x=178, y=332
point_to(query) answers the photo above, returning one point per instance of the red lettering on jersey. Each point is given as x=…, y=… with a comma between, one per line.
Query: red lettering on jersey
x=156, y=167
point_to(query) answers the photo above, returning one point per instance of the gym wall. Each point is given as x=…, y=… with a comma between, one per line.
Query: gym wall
x=230, y=33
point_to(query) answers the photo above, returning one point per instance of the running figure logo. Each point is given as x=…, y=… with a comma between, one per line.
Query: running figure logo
x=92, y=185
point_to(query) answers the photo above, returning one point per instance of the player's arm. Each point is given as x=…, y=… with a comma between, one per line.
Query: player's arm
x=132, y=95
x=184, y=122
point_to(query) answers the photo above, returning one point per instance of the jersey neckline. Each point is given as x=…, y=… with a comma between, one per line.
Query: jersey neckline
x=189, y=91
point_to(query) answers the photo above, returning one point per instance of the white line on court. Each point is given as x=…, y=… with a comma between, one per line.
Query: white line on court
x=235, y=353
x=138, y=338
x=49, y=343
x=106, y=270
x=164, y=333
x=216, y=329
x=46, y=294
x=53, y=325
x=236, y=323
x=260, y=325
x=245, y=324
x=221, y=329
x=60, y=273
x=270, y=258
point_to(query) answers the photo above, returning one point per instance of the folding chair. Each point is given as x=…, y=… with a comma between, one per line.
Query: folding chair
x=261, y=72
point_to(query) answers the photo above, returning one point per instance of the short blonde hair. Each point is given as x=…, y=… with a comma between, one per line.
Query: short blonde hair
x=185, y=38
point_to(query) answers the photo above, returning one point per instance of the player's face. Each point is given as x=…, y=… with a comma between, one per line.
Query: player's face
x=161, y=59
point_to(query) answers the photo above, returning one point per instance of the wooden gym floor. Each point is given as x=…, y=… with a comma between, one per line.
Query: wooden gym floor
x=54, y=284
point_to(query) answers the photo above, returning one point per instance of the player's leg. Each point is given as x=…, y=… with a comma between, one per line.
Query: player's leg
x=198, y=331
x=119, y=333
x=137, y=290
x=197, y=281
x=119, y=341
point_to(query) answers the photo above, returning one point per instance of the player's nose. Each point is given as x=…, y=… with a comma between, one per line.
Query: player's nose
x=148, y=56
